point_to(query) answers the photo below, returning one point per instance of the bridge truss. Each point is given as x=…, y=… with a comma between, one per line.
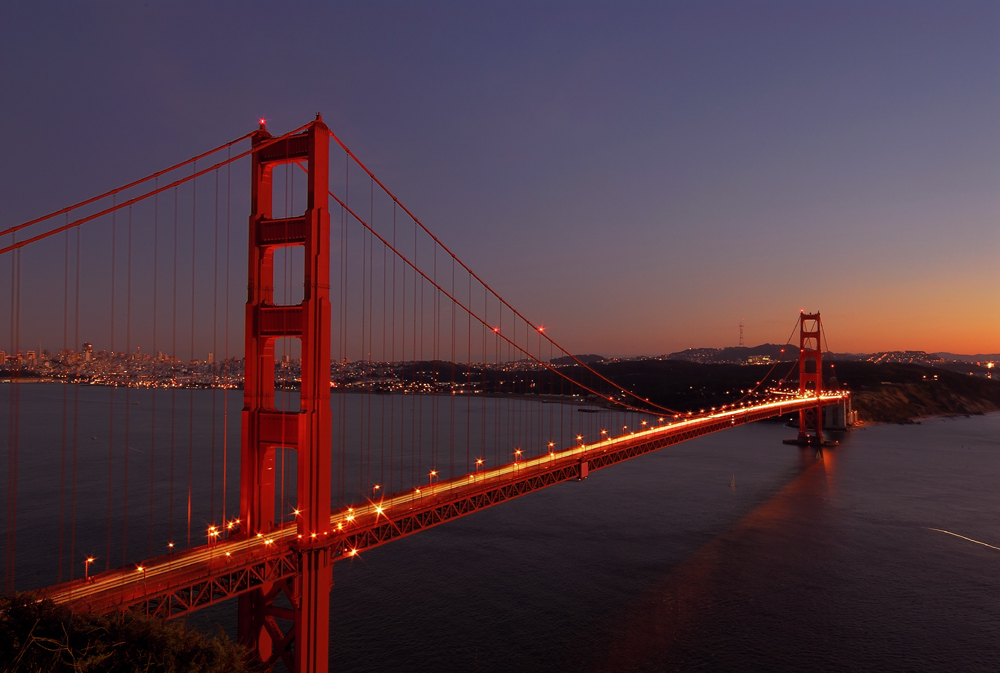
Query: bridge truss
x=373, y=308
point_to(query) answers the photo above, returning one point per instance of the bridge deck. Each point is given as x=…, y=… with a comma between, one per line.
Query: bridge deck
x=180, y=583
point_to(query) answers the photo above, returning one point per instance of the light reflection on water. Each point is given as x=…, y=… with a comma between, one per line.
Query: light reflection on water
x=810, y=563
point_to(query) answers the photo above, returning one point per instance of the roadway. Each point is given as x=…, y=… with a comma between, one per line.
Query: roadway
x=186, y=580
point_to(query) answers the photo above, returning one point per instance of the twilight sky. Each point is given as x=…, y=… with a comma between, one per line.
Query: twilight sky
x=638, y=177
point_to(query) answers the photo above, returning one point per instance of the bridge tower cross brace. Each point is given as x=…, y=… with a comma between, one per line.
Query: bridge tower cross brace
x=303, y=646
x=810, y=376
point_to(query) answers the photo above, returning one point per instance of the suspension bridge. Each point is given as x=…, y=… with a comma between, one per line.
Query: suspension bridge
x=386, y=389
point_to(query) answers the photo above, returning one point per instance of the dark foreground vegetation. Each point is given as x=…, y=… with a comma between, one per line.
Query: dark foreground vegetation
x=42, y=636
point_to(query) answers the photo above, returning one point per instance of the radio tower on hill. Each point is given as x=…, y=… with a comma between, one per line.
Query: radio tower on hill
x=741, y=332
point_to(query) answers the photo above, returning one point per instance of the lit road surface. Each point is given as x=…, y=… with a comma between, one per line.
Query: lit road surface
x=183, y=569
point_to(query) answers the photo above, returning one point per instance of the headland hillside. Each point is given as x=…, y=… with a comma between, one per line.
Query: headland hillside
x=881, y=392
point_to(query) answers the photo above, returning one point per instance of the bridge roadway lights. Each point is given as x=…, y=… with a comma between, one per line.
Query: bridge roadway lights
x=259, y=575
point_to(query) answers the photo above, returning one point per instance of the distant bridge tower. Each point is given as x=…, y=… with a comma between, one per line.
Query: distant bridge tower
x=810, y=377
x=302, y=645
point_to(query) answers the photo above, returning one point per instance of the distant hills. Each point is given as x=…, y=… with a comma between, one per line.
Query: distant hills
x=982, y=357
x=588, y=359
x=767, y=353
x=739, y=355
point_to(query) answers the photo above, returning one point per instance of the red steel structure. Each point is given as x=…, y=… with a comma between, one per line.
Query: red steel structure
x=302, y=645
x=810, y=377
x=281, y=573
x=177, y=585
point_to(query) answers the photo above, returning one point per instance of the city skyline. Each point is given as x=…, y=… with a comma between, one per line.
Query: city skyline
x=637, y=180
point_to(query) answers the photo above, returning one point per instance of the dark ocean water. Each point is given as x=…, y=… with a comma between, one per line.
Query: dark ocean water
x=810, y=563
x=819, y=562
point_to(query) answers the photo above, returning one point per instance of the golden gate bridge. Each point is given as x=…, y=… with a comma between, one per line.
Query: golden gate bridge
x=461, y=402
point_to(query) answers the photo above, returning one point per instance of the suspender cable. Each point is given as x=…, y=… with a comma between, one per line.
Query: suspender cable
x=364, y=424
x=215, y=347
x=65, y=400
x=15, y=421
x=111, y=389
x=156, y=372
x=9, y=528
x=468, y=379
x=128, y=386
x=76, y=413
x=194, y=248
x=368, y=350
x=173, y=372
x=342, y=334
x=392, y=359
x=371, y=331
x=385, y=259
x=453, y=356
x=226, y=372
x=418, y=416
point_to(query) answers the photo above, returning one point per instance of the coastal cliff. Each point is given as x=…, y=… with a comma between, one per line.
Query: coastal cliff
x=899, y=393
x=905, y=403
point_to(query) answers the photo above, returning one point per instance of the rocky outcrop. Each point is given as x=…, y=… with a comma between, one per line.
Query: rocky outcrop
x=907, y=402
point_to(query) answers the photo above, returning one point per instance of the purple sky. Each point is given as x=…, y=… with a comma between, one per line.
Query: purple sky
x=638, y=177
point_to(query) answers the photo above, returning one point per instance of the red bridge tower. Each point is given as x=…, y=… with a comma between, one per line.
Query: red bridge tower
x=810, y=377
x=302, y=645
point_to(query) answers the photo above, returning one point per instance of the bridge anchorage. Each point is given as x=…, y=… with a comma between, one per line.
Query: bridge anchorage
x=482, y=358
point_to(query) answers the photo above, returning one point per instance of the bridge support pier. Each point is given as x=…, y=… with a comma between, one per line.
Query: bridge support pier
x=303, y=602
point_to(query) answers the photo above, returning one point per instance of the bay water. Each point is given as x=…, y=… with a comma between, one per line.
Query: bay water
x=732, y=552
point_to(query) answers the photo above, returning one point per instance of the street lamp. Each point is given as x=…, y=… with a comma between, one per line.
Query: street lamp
x=479, y=463
x=142, y=569
x=86, y=567
x=375, y=488
x=431, y=476
x=232, y=526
